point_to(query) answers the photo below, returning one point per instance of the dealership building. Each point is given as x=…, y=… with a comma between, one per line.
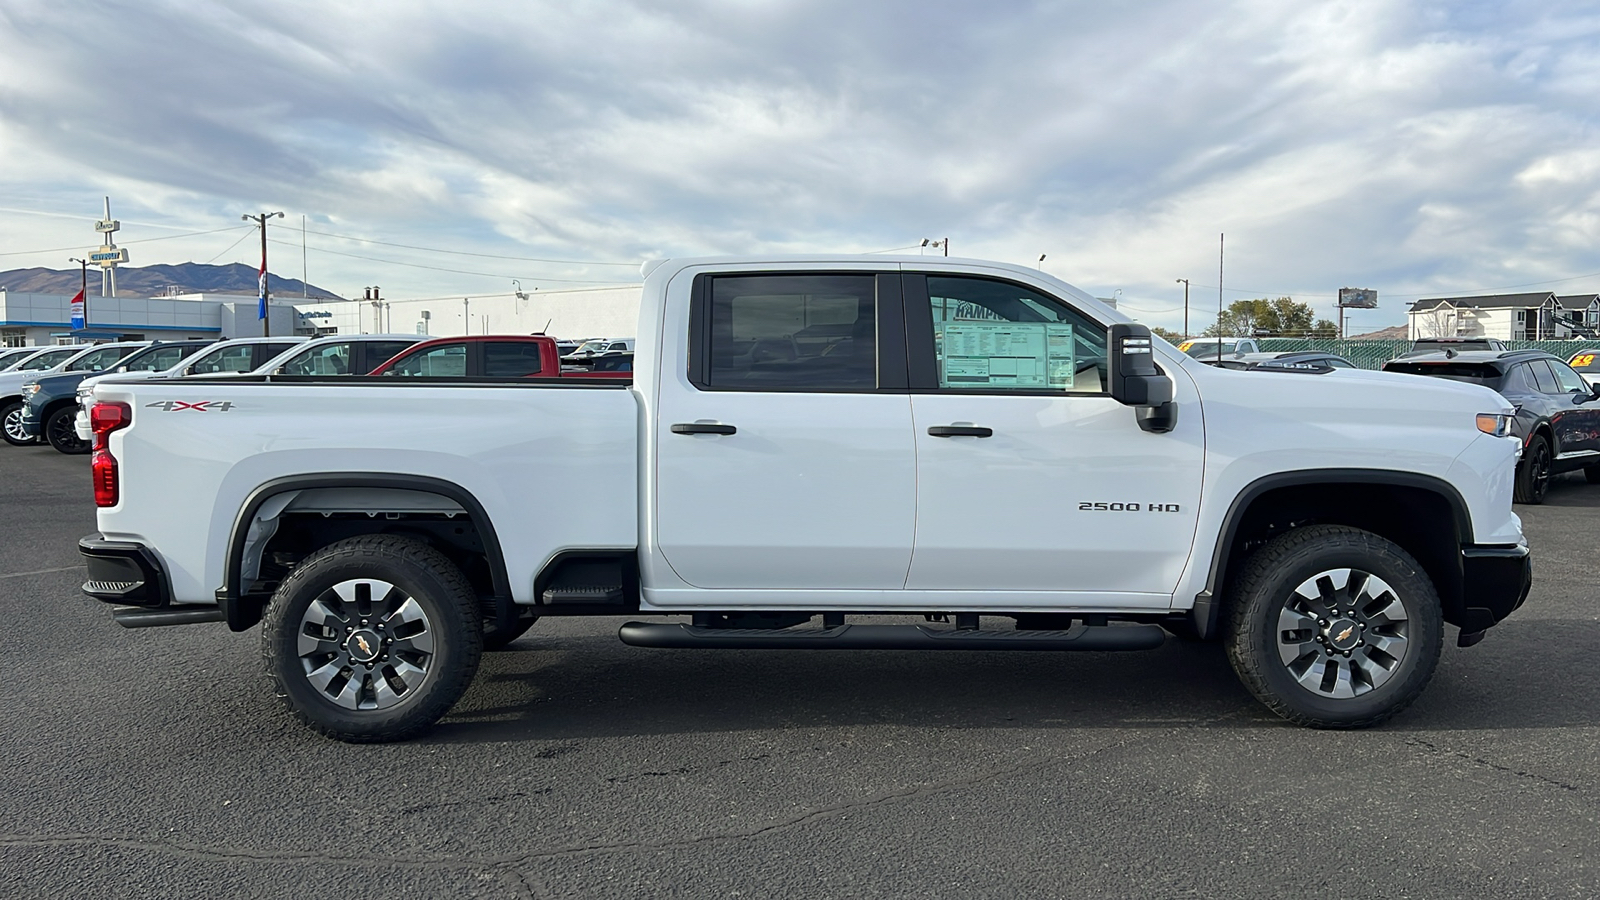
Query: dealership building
x=575, y=313
x=32, y=319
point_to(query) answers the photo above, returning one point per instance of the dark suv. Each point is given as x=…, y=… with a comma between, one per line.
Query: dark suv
x=1558, y=413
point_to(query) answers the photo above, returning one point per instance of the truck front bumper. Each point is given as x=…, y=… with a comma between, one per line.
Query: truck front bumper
x=123, y=572
x=31, y=424
x=1494, y=583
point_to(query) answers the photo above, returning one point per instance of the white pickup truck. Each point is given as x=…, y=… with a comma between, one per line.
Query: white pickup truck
x=975, y=446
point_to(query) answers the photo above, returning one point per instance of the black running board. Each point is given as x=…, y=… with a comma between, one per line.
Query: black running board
x=891, y=637
x=129, y=617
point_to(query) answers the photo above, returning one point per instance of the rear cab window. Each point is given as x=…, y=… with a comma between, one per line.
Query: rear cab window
x=511, y=358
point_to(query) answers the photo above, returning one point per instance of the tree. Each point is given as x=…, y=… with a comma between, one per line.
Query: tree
x=1167, y=334
x=1282, y=317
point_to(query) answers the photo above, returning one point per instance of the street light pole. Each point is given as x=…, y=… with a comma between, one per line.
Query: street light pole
x=1185, y=283
x=262, y=310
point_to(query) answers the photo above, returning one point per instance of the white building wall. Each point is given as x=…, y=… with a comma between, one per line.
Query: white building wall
x=580, y=313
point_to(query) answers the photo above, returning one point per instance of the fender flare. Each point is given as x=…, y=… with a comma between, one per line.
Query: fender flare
x=1207, y=606
x=240, y=617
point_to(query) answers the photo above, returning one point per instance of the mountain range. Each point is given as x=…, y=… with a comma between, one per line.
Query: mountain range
x=161, y=280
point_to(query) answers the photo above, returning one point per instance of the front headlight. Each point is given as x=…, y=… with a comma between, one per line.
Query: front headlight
x=29, y=389
x=1495, y=424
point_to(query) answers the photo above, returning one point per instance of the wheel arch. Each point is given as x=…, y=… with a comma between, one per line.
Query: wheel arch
x=242, y=611
x=1266, y=508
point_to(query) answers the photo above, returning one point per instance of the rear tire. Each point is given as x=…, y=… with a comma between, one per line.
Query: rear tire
x=1533, y=472
x=61, y=430
x=1334, y=627
x=372, y=638
x=11, y=425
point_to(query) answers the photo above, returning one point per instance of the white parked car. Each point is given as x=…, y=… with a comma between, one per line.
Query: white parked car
x=242, y=355
x=76, y=358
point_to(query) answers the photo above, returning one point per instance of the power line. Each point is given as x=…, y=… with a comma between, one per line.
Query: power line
x=568, y=262
x=231, y=246
x=393, y=262
x=135, y=241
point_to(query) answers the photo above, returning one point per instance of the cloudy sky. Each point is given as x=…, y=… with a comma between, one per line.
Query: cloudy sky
x=1419, y=148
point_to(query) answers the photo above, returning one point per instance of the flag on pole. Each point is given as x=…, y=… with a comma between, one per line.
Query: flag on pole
x=77, y=311
x=261, y=305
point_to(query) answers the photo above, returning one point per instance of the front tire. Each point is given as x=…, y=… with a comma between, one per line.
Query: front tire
x=11, y=425
x=1334, y=627
x=1533, y=472
x=372, y=638
x=61, y=430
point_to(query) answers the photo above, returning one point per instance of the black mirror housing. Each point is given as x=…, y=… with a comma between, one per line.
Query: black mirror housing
x=1136, y=380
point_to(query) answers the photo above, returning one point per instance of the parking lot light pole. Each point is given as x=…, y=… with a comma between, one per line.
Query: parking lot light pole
x=1185, y=283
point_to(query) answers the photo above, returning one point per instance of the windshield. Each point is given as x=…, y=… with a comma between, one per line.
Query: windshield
x=12, y=357
x=48, y=360
x=1586, y=360
x=1202, y=349
x=159, y=358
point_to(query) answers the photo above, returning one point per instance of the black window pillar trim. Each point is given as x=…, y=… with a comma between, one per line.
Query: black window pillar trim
x=240, y=616
x=1207, y=605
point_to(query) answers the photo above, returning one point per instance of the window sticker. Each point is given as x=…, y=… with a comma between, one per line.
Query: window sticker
x=1008, y=354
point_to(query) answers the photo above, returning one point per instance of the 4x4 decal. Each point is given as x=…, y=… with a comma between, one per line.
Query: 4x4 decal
x=198, y=406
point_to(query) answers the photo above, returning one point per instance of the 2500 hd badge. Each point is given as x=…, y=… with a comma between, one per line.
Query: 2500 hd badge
x=1091, y=506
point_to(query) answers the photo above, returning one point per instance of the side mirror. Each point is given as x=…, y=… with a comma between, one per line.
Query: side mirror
x=1136, y=381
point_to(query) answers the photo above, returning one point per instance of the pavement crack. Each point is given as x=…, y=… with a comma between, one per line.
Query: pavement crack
x=221, y=852
x=43, y=571
x=1494, y=766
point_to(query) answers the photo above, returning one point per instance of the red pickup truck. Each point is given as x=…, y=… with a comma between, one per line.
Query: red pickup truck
x=480, y=355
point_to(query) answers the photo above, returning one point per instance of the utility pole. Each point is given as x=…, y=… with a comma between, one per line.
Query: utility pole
x=261, y=304
x=83, y=291
x=1222, y=244
x=1185, y=283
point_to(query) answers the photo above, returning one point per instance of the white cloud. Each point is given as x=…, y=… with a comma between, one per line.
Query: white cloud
x=1411, y=146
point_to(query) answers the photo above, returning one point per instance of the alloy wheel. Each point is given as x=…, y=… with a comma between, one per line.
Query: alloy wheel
x=365, y=644
x=1343, y=633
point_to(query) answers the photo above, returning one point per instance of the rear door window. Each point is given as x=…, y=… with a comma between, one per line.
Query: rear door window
x=98, y=360
x=511, y=358
x=327, y=359
x=790, y=332
x=225, y=359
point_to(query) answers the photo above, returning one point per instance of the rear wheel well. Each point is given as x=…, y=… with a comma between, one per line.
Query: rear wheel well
x=279, y=528
x=1423, y=522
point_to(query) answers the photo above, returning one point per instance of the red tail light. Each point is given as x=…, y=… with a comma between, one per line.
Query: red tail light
x=105, y=418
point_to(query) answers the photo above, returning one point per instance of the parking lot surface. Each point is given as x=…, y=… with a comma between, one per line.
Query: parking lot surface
x=155, y=763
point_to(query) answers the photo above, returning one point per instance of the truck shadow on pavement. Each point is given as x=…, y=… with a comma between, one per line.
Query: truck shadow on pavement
x=587, y=686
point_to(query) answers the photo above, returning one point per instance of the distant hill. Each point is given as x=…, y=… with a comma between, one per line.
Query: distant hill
x=154, y=281
x=1395, y=333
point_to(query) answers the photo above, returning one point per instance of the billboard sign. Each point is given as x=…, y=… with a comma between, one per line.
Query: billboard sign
x=1358, y=298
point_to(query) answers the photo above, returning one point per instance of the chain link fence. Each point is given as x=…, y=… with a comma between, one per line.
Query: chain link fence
x=1372, y=354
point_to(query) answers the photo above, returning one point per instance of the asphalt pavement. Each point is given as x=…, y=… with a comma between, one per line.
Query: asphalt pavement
x=155, y=763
